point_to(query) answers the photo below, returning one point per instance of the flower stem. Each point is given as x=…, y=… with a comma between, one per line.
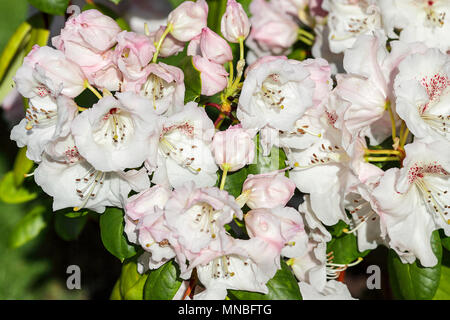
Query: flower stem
x=94, y=91
x=391, y=115
x=306, y=34
x=381, y=159
x=226, y=167
x=169, y=28
x=403, y=138
x=384, y=151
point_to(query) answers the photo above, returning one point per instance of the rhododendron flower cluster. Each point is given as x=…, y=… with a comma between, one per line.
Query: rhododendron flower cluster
x=205, y=175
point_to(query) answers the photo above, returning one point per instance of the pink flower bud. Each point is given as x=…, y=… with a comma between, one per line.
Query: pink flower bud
x=144, y=203
x=272, y=30
x=91, y=29
x=132, y=54
x=235, y=23
x=213, y=75
x=234, y=147
x=170, y=45
x=188, y=19
x=268, y=190
x=214, y=47
x=263, y=224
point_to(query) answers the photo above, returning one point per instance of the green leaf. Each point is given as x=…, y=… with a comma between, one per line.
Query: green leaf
x=345, y=249
x=274, y=161
x=162, y=283
x=443, y=291
x=130, y=285
x=55, y=7
x=36, y=34
x=69, y=228
x=413, y=281
x=176, y=3
x=22, y=165
x=192, y=80
x=29, y=226
x=234, y=182
x=283, y=286
x=9, y=193
x=446, y=242
x=77, y=214
x=12, y=14
x=115, y=1
x=15, y=42
x=216, y=10
x=113, y=238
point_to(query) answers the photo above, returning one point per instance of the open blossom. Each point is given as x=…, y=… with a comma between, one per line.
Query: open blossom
x=422, y=88
x=233, y=148
x=275, y=94
x=116, y=134
x=142, y=217
x=234, y=267
x=413, y=201
x=183, y=152
x=422, y=20
x=267, y=190
x=47, y=72
x=73, y=182
x=42, y=125
x=196, y=219
x=164, y=87
x=188, y=19
x=348, y=19
x=234, y=24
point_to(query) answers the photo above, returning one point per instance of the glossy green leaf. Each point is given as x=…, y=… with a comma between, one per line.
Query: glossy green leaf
x=16, y=41
x=113, y=237
x=22, y=165
x=283, y=286
x=192, y=80
x=130, y=285
x=77, y=214
x=413, y=281
x=162, y=283
x=446, y=243
x=29, y=226
x=12, y=14
x=9, y=193
x=443, y=291
x=234, y=182
x=216, y=10
x=55, y=7
x=345, y=249
x=69, y=228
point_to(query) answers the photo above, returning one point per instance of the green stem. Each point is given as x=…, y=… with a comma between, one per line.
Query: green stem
x=226, y=167
x=169, y=29
x=94, y=91
x=391, y=115
x=381, y=159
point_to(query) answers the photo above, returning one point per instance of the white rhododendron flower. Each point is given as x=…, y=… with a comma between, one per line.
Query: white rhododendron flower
x=183, y=151
x=74, y=182
x=42, y=125
x=422, y=88
x=265, y=168
x=347, y=19
x=116, y=134
x=413, y=201
x=419, y=20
